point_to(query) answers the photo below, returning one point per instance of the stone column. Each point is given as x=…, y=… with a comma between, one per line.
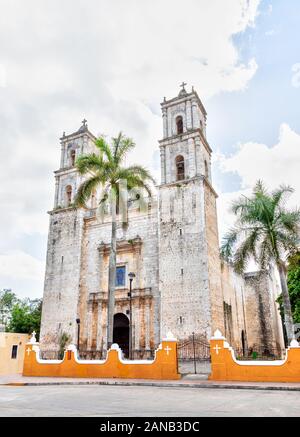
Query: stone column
x=189, y=124
x=56, y=192
x=147, y=324
x=165, y=122
x=62, y=154
x=169, y=123
x=196, y=122
x=99, y=340
x=163, y=164
x=89, y=325
x=168, y=167
x=199, y=161
x=192, y=166
x=136, y=334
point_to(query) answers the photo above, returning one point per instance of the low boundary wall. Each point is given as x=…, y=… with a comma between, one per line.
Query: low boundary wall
x=164, y=365
x=225, y=366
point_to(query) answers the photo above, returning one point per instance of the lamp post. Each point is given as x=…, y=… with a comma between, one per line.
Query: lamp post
x=78, y=333
x=131, y=276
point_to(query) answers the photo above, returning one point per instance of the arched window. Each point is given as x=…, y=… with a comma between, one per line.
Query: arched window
x=72, y=157
x=206, y=168
x=68, y=195
x=180, y=167
x=179, y=125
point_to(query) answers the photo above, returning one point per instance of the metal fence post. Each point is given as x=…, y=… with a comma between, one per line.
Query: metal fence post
x=195, y=368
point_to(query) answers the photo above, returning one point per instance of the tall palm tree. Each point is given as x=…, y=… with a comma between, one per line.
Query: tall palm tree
x=105, y=170
x=267, y=232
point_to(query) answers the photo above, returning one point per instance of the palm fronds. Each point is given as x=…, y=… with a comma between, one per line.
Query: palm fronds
x=264, y=229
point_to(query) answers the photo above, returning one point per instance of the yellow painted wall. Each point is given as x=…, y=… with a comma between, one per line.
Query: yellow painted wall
x=225, y=367
x=7, y=364
x=164, y=365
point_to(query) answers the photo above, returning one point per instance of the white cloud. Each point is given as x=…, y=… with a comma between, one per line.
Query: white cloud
x=3, y=78
x=296, y=75
x=270, y=32
x=111, y=62
x=274, y=165
x=20, y=265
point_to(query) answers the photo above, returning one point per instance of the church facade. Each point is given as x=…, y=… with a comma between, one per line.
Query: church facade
x=171, y=246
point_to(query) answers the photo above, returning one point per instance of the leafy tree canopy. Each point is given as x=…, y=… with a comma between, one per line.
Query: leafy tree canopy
x=293, y=279
x=26, y=316
x=7, y=301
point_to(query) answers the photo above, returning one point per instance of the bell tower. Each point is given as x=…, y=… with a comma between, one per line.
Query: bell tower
x=185, y=153
x=62, y=277
x=189, y=264
x=67, y=178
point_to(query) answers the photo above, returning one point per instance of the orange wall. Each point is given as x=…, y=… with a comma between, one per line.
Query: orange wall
x=164, y=365
x=225, y=367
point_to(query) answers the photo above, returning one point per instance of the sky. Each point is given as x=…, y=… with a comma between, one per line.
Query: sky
x=112, y=62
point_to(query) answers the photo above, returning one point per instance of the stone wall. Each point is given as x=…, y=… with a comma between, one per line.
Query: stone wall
x=213, y=258
x=183, y=267
x=264, y=331
x=137, y=249
x=251, y=298
x=62, y=277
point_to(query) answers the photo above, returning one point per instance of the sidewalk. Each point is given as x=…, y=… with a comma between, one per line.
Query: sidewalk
x=187, y=381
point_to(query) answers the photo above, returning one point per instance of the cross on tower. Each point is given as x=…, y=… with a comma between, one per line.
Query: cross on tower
x=183, y=85
x=84, y=122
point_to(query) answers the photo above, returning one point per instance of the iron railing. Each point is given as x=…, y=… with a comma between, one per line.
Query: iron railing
x=50, y=355
x=260, y=354
x=193, y=349
x=137, y=354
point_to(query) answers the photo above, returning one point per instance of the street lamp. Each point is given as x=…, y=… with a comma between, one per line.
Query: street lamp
x=131, y=277
x=78, y=333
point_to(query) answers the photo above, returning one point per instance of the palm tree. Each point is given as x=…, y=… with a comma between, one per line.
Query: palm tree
x=267, y=232
x=105, y=170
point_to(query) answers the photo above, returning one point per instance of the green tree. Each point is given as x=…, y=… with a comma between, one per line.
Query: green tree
x=7, y=300
x=266, y=231
x=64, y=340
x=105, y=169
x=293, y=281
x=26, y=316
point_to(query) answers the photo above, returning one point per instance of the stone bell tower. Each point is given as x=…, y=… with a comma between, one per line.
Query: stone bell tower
x=62, y=277
x=189, y=264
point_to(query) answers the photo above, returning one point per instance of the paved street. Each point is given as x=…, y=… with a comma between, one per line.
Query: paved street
x=144, y=401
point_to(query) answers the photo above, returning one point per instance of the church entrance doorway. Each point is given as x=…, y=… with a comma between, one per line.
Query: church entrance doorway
x=121, y=332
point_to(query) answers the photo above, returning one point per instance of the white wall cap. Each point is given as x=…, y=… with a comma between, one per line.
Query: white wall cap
x=294, y=343
x=115, y=347
x=72, y=347
x=33, y=338
x=169, y=337
x=218, y=335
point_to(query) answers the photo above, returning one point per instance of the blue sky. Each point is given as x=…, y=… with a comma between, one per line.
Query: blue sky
x=256, y=113
x=112, y=63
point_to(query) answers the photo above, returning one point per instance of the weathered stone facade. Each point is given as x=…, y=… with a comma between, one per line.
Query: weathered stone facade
x=171, y=245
